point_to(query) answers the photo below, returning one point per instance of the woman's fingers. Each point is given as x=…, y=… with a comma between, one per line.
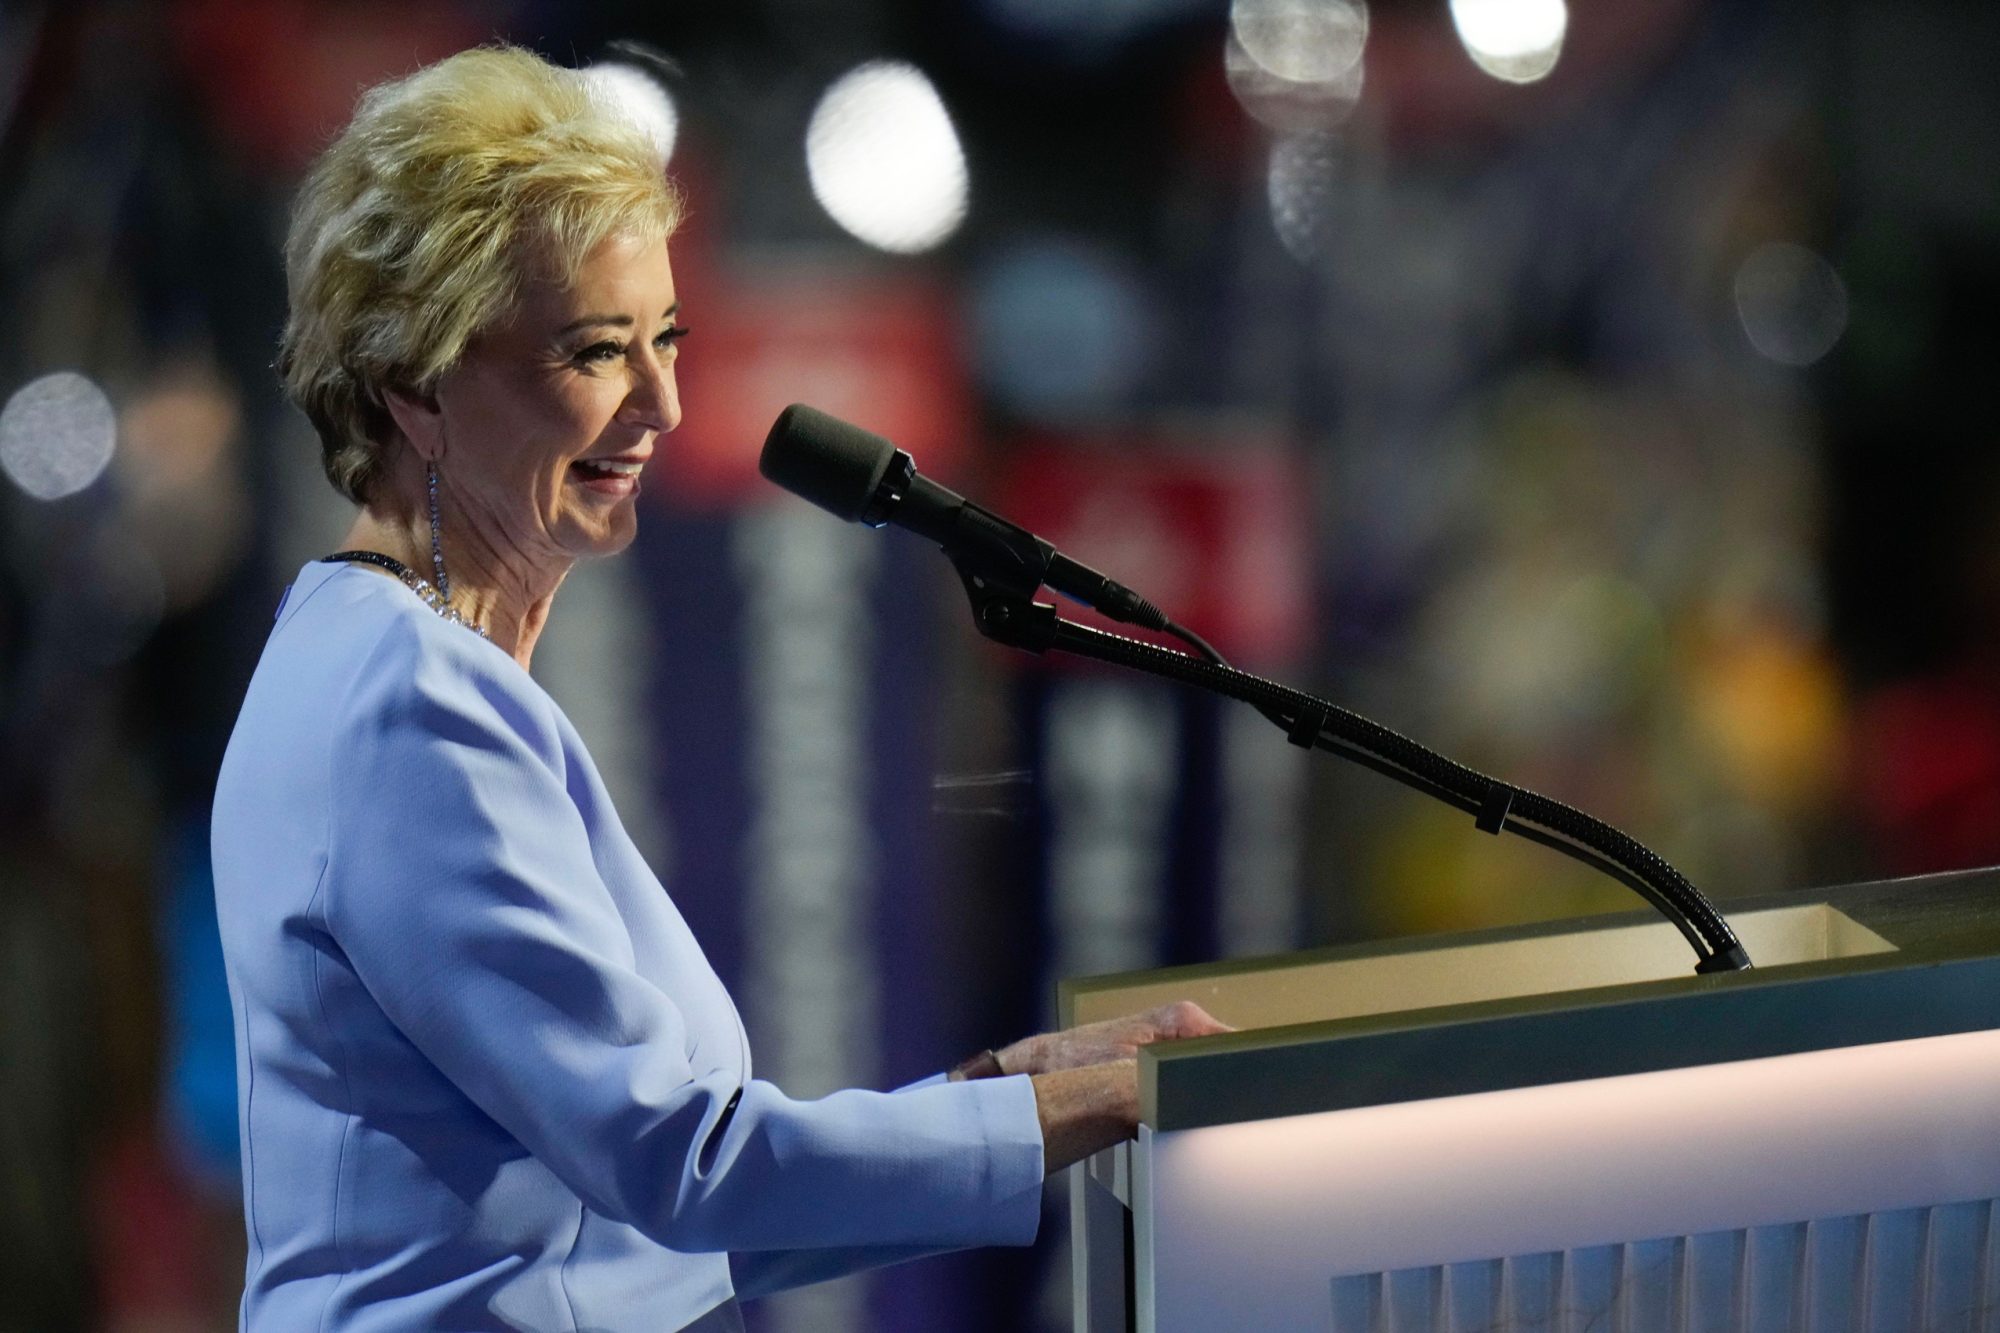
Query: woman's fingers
x=1111, y=1039
x=1085, y=1082
x=1181, y=1019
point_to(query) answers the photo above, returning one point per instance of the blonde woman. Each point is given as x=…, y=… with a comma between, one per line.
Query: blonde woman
x=487, y=1079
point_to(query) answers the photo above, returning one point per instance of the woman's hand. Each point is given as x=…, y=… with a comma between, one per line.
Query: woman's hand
x=1113, y=1039
x=1087, y=1078
x=1086, y=1110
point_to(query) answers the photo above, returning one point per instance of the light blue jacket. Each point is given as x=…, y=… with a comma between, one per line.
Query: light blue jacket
x=486, y=1078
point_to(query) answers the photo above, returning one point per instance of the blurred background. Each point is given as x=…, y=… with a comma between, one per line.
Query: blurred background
x=1590, y=390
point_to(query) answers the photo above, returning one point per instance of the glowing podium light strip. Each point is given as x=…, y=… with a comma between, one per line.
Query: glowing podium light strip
x=1247, y=1225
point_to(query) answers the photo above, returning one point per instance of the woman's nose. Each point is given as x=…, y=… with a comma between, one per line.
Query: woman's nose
x=654, y=400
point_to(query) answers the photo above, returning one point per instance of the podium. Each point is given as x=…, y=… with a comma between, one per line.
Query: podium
x=1561, y=1127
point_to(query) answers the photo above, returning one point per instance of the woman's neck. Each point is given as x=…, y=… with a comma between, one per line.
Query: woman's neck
x=506, y=596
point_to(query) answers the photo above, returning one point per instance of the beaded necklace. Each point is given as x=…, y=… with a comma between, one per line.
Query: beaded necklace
x=421, y=587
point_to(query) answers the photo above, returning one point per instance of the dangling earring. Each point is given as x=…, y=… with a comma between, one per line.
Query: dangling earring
x=437, y=595
x=437, y=536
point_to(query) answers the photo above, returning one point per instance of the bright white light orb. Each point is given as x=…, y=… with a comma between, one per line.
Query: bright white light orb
x=1515, y=40
x=884, y=160
x=1301, y=41
x=638, y=97
x=56, y=435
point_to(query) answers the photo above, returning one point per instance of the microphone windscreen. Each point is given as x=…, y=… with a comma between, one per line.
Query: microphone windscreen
x=825, y=460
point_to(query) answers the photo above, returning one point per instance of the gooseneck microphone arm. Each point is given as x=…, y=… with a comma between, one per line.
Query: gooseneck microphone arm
x=862, y=477
x=1315, y=723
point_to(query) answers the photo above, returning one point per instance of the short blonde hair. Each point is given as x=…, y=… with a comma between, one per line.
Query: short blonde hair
x=415, y=228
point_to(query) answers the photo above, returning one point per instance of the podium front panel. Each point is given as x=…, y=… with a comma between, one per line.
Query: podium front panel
x=1301, y=1222
x=1559, y=1118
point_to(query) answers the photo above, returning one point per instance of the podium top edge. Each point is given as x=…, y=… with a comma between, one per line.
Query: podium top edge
x=1930, y=966
x=1919, y=914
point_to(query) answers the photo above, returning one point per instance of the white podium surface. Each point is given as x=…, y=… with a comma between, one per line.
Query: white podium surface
x=1529, y=1156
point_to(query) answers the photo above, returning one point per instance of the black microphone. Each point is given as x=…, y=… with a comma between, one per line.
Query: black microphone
x=857, y=475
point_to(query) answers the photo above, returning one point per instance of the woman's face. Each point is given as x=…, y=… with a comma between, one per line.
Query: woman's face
x=548, y=419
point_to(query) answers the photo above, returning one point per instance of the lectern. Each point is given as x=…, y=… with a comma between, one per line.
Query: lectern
x=1560, y=1127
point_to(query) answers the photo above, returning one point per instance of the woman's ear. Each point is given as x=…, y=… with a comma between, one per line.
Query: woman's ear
x=420, y=419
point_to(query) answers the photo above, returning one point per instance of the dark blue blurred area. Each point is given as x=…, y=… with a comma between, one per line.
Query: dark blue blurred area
x=200, y=1057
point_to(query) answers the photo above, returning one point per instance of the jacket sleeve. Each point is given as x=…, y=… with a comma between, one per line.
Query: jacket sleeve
x=756, y=1273
x=462, y=888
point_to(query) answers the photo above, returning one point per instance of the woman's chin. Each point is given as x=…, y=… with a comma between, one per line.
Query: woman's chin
x=594, y=535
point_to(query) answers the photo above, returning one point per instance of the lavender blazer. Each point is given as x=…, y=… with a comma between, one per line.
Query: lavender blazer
x=486, y=1078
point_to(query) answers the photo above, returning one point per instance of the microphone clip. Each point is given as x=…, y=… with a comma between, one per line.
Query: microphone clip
x=1001, y=610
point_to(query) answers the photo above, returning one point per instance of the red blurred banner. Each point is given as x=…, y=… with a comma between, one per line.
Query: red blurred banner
x=280, y=77
x=1218, y=537
x=878, y=349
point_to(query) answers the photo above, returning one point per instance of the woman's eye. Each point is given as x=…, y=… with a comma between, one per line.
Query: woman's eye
x=598, y=353
x=668, y=334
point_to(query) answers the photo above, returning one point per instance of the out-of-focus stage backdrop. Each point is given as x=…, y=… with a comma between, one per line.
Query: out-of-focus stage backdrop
x=1589, y=390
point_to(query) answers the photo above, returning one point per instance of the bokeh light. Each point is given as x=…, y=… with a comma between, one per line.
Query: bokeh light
x=179, y=477
x=1304, y=41
x=1064, y=330
x=641, y=98
x=1301, y=185
x=884, y=159
x=1296, y=65
x=57, y=434
x=1792, y=304
x=1515, y=40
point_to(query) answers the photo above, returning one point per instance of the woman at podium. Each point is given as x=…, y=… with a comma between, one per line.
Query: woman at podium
x=486, y=1077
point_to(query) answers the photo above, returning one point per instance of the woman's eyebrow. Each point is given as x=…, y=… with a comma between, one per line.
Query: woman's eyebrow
x=621, y=321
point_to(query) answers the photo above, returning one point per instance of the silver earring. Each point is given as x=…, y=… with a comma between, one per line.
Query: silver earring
x=437, y=536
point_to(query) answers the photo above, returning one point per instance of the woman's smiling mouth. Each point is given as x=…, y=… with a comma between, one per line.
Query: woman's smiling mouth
x=608, y=476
